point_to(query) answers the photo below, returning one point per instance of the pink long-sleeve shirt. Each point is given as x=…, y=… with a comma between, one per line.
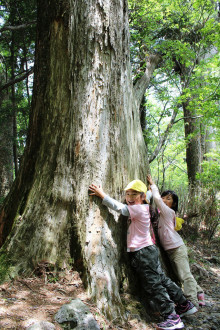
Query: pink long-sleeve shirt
x=138, y=234
x=169, y=238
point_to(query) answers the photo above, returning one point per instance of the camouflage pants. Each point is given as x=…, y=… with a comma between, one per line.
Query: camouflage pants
x=156, y=285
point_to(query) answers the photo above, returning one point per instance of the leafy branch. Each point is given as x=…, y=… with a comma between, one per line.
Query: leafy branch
x=17, y=27
x=16, y=80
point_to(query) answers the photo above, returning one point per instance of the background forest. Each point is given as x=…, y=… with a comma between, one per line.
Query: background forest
x=179, y=113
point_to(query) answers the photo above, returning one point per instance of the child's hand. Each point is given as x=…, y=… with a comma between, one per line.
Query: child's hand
x=149, y=179
x=97, y=191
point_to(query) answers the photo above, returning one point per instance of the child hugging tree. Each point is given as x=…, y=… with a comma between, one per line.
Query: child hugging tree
x=144, y=254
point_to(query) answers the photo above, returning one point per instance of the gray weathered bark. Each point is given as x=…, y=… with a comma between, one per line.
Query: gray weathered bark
x=84, y=128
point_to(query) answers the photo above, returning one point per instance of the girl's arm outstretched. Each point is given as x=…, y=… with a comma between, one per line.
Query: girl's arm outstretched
x=164, y=209
x=108, y=201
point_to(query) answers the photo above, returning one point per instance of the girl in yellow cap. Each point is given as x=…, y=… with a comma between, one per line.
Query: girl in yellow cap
x=144, y=254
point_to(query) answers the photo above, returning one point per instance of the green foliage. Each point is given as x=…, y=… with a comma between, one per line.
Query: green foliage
x=53, y=278
x=169, y=168
x=16, y=57
x=185, y=34
x=210, y=176
x=4, y=266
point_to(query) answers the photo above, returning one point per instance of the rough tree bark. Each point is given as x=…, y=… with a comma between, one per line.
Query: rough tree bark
x=84, y=128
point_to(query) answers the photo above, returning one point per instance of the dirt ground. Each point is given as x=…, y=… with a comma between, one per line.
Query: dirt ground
x=25, y=301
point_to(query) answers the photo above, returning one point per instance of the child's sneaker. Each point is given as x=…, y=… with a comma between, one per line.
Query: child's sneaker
x=201, y=298
x=186, y=309
x=173, y=321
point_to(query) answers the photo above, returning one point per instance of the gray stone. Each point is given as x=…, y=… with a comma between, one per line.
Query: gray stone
x=201, y=271
x=76, y=315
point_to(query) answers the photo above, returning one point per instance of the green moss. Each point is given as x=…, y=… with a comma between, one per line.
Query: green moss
x=5, y=267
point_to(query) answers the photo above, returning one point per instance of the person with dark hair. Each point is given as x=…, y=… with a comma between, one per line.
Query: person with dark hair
x=144, y=254
x=174, y=196
x=174, y=246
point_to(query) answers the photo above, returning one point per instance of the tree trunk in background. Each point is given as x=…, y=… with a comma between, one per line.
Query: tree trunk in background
x=193, y=160
x=14, y=110
x=6, y=151
x=193, y=147
x=84, y=128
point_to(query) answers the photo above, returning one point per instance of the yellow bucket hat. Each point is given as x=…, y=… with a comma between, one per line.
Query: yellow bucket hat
x=137, y=185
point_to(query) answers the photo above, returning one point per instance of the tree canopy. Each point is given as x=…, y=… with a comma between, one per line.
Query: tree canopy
x=17, y=43
x=185, y=34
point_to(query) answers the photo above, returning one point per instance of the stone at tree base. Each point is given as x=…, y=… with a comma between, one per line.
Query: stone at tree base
x=76, y=315
x=43, y=325
x=198, y=270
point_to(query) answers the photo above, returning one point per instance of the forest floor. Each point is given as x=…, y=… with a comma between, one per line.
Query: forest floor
x=25, y=301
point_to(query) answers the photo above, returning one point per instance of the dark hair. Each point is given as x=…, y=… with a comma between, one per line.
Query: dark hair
x=174, y=196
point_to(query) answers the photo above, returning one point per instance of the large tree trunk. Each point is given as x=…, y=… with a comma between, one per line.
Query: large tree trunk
x=84, y=128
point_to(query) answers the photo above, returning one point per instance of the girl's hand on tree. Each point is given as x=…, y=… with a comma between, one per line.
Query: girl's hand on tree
x=97, y=191
x=149, y=179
